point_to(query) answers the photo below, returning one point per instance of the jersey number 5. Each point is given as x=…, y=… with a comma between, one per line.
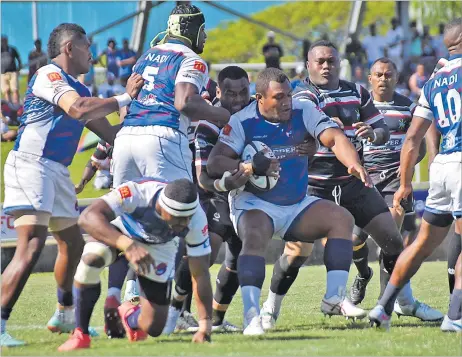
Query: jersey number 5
x=454, y=107
x=149, y=75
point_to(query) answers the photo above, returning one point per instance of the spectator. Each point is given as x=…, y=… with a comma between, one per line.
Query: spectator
x=252, y=85
x=111, y=57
x=395, y=41
x=359, y=77
x=354, y=51
x=438, y=43
x=306, y=49
x=6, y=134
x=126, y=60
x=417, y=81
x=37, y=59
x=89, y=78
x=415, y=48
x=427, y=43
x=300, y=76
x=110, y=88
x=11, y=64
x=373, y=45
x=272, y=52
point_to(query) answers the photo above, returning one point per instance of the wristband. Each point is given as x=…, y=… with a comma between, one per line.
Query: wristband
x=219, y=184
x=123, y=99
x=205, y=325
x=123, y=242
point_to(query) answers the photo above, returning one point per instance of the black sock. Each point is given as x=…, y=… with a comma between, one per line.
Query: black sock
x=389, y=297
x=131, y=275
x=227, y=284
x=177, y=304
x=65, y=297
x=85, y=300
x=284, y=273
x=183, y=282
x=360, y=258
x=187, y=303
x=218, y=317
x=454, y=249
x=454, y=312
x=117, y=272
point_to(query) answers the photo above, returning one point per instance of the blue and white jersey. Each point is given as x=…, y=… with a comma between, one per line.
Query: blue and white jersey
x=249, y=125
x=134, y=203
x=45, y=129
x=162, y=67
x=440, y=100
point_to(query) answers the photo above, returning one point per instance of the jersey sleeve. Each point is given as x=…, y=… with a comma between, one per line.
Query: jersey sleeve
x=204, y=141
x=197, y=240
x=124, y=199
x=315, y=120
x=193, y=70
x=50, y=85
x=233, y=135
x=368, y=113
x=423, y=109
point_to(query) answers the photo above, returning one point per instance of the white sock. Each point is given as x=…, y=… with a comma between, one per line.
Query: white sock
x=336, y=280
x=405, y=296
x=3, y=330
x=274, y=302
x=131, y=285
x=250, y=298
x=114, y=292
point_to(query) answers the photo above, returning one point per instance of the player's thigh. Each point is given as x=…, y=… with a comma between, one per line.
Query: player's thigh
x=454, y=186
x=320, y=218
x=433, y=230
x=155, y=299
x=439, y=197
x=14, y=81
x=364, y=203
x=28, y=184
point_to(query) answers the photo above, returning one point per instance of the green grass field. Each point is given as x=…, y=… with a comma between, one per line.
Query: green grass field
x=301, y=331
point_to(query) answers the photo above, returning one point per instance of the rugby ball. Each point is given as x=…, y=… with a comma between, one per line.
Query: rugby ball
x=259, y=183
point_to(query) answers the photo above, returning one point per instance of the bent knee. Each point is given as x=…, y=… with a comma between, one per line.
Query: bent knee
x=342, y=223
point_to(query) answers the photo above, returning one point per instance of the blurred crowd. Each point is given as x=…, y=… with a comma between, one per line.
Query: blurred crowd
x=422, y=49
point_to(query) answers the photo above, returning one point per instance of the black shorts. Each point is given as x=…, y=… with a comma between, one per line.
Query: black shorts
x=364, y=203
x=217, y=211
x=387, y=183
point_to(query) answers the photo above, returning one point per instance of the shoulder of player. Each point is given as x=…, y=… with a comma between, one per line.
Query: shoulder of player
x=246, y=113
x=206, y=129
x=145, y=187
x=401, y=100
x=306, y=91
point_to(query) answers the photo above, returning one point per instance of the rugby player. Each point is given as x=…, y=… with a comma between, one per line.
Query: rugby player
x=382, y=163
x=352, y=107
x=286, y=211
x=144, y=220
x=38, y=189
x=440, y=102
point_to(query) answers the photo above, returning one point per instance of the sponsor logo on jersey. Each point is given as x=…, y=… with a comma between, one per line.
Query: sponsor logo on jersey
x=200, y=66
x=148, y=100
x=227, y=129
x=125, y=192
x=161, y=268
x=205, y=230
x=54, y=76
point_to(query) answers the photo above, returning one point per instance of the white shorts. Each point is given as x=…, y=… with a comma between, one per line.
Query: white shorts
x=36, y=183
x=163, y=255
x=445, y=193
x=282, y=216
x=151, y=151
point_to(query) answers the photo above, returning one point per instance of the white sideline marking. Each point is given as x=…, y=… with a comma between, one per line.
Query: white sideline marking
x=39, y=327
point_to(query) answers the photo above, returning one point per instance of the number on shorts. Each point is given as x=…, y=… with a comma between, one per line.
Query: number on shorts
x=454, y=107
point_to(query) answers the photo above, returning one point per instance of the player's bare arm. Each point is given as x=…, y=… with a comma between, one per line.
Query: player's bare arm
x=203, y=295
x=87, y=108
x=409, y=156
x=189, y=102
x=95, y=220
x=223, y=158
x=432, y=140
x=345, y=152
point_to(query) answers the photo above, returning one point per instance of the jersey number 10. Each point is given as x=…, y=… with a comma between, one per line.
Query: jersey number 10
x=149, y=74
x=453, y=97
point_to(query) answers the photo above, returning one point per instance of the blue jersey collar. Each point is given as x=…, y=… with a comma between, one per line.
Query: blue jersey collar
x=455, y=56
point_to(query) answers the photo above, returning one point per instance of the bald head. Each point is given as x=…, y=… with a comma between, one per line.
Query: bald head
x=453, y=36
